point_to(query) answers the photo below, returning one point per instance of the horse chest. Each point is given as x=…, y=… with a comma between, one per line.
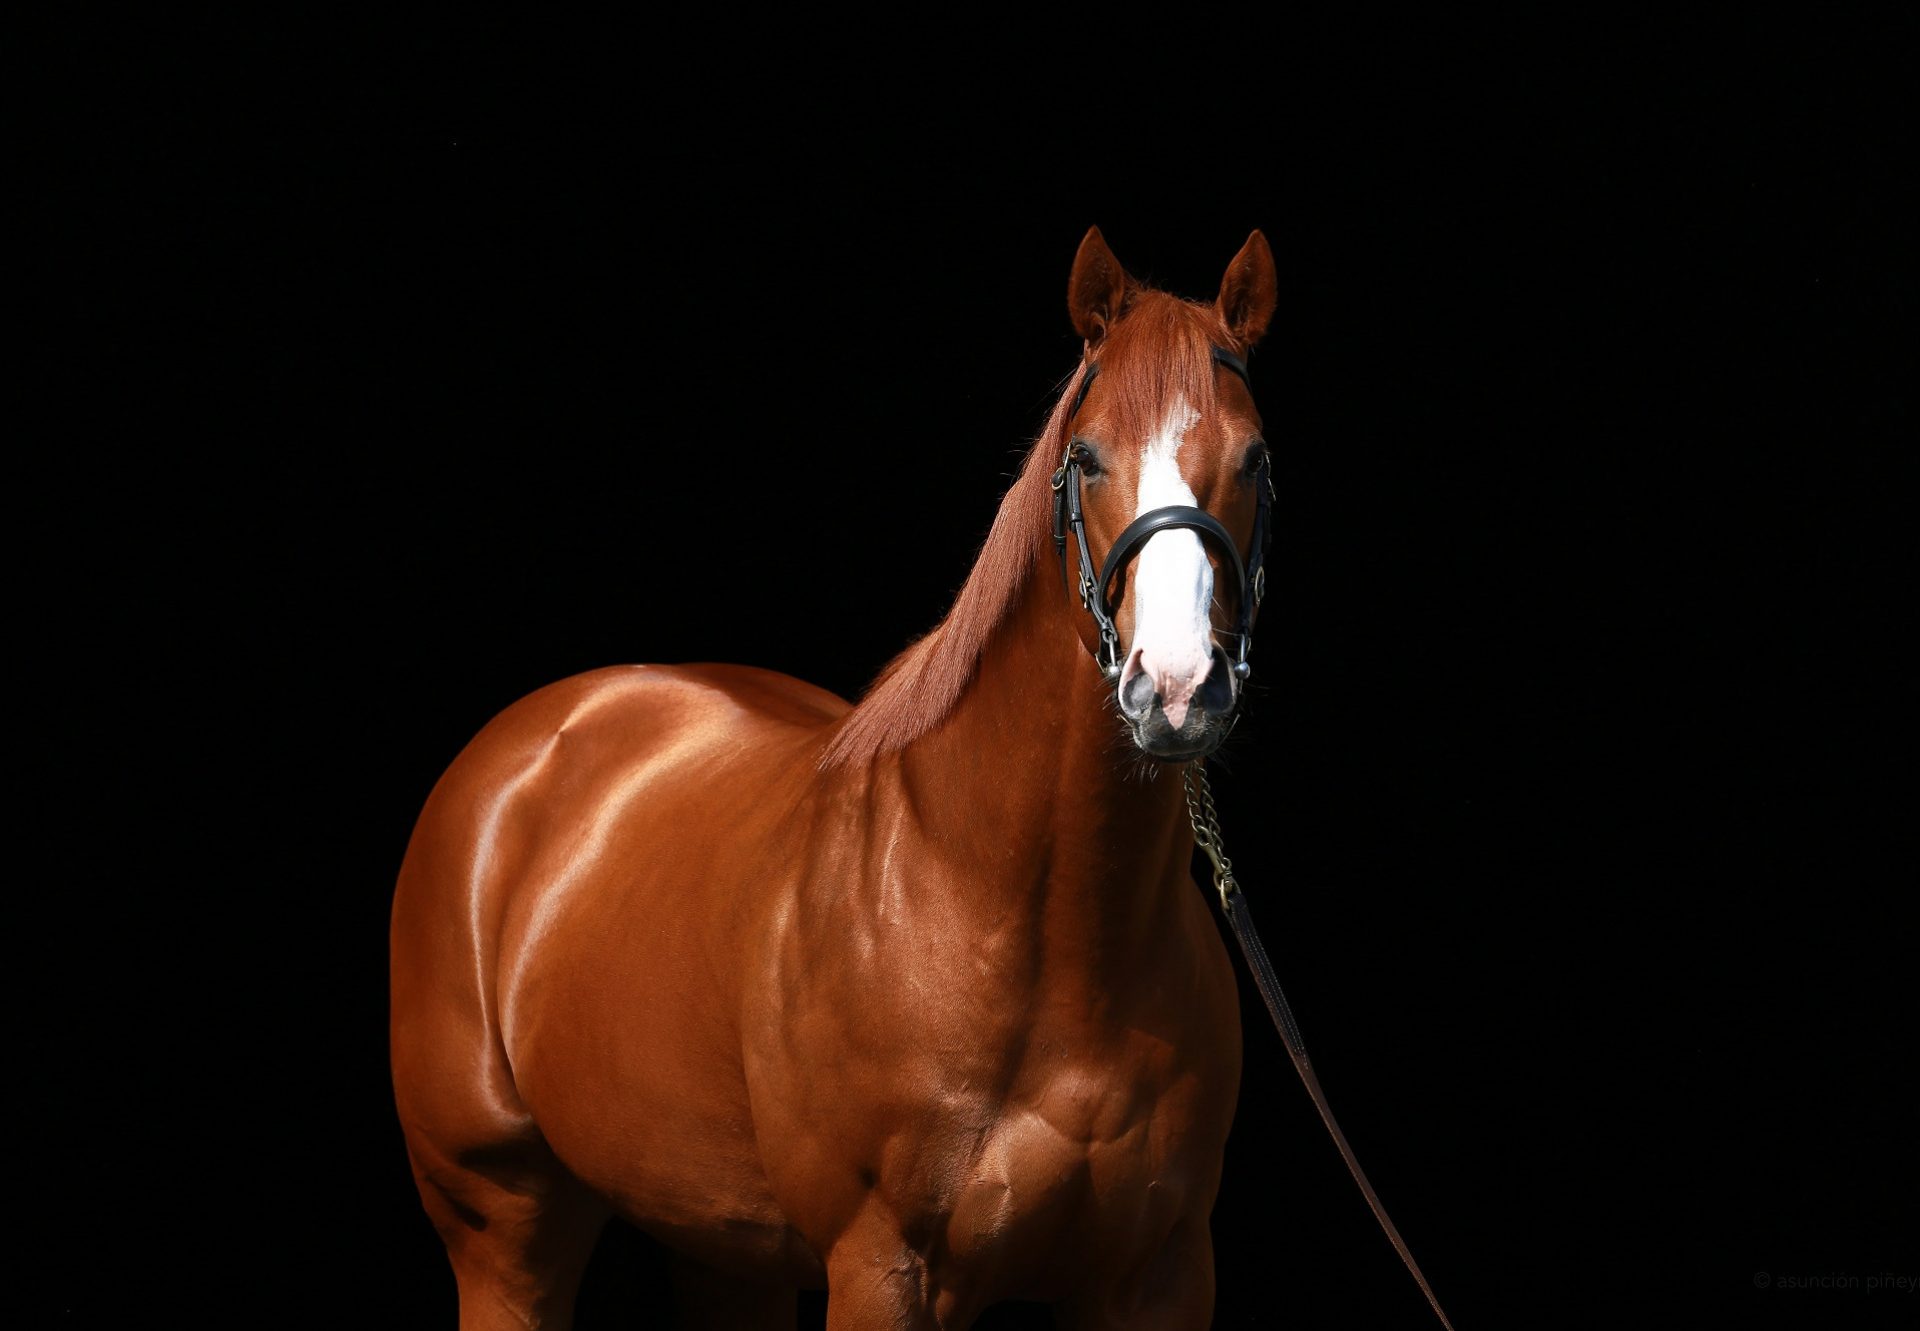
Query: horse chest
x=984, y=1084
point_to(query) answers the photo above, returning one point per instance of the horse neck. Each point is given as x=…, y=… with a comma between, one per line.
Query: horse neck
x=1033, y=790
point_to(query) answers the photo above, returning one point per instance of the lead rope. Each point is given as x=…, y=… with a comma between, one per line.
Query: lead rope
x=1206, y=835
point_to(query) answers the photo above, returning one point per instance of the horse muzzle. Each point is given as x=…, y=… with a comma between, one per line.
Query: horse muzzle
x=1176, y=718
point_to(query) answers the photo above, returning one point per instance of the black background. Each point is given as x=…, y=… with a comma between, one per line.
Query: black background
x=400, y=372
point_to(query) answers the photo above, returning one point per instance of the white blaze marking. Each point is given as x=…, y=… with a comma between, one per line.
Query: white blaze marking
x=1173, y=583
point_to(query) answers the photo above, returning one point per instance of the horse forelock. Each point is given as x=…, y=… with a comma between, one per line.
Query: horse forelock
x=1160, y=353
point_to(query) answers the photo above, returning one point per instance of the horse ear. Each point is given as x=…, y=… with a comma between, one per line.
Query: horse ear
x=1249, y=291
x=1097, y=288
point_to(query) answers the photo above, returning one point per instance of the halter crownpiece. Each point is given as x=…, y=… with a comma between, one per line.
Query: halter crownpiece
x=1250, y=574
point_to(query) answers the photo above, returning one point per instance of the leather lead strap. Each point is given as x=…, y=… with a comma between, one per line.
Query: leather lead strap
x=1234, y=906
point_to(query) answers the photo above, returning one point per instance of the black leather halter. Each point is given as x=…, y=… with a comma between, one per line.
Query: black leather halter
x=1250, y=574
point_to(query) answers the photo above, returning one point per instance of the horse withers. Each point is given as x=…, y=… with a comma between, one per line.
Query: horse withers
x=915, y=999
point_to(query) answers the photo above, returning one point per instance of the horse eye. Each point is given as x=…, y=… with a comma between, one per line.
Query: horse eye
x=1257, y=453
x=1082, y=453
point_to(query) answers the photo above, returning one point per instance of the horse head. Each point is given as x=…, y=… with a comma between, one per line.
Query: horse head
x=1165, y=480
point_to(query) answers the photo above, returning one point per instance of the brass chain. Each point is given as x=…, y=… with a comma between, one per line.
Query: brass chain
x=1206, y=830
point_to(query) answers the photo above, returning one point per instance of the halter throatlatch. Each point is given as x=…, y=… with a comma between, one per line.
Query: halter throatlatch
x=1250, y=574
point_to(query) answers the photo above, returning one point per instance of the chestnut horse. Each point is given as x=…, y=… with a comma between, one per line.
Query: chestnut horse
x=915, y=999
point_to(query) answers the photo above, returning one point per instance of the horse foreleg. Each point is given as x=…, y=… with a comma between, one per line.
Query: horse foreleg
x=875, y=1278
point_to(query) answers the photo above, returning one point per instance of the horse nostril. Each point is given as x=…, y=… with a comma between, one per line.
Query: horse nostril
x=1215, y=694
x=1136, y=695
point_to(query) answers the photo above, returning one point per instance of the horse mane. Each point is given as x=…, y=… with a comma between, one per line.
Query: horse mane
x=920, y=687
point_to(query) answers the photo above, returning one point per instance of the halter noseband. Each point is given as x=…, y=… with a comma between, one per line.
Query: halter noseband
x=1250, y=575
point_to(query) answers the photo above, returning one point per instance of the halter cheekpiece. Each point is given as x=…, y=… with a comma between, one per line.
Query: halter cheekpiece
x=1250, y=574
